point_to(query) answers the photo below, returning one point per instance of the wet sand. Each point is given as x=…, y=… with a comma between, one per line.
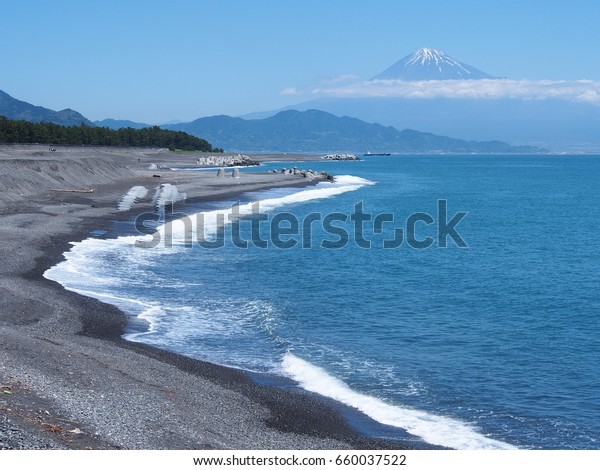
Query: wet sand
x=67, y=378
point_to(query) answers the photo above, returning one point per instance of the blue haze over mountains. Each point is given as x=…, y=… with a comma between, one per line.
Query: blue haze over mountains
x=318, y=131
x=552, y=123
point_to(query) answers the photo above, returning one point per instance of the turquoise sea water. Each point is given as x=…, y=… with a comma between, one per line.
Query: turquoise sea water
x=492, y=345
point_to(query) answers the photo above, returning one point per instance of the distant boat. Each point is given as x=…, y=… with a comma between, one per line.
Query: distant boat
x=369, y=154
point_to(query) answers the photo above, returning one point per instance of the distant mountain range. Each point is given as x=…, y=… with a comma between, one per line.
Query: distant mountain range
x=431, y=64
x=120, y=124
x=318, y=131
x=309, y=130
x=21, y=110
x=552, y=123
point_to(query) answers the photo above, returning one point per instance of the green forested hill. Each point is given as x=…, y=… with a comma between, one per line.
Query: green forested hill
x=24, y=132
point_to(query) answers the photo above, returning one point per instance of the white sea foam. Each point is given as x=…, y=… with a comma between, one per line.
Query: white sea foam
x=151, y=315
x=211, y=221
x=115, y=299
x=437, y=430
x=86, y=271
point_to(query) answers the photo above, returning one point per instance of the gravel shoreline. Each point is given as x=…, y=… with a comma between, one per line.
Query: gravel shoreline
x=68, y=380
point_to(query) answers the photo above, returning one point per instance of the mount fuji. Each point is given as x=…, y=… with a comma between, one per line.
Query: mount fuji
x=431, y=64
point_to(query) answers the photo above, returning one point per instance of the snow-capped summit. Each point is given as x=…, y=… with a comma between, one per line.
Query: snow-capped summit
x=430, y=64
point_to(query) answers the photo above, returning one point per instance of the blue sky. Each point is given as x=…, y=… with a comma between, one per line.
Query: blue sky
x=154, y=61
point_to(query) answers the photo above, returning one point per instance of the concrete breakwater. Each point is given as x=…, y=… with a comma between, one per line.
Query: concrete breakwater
x=227, y=160
x=340, y=157
x=310, y=174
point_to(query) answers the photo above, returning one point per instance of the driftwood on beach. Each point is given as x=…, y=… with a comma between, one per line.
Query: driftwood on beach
x=74, y=190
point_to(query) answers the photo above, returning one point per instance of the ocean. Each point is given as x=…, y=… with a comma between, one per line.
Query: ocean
x=455, y=297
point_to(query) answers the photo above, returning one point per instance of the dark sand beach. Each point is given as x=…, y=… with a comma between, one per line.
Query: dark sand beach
x=68, y=379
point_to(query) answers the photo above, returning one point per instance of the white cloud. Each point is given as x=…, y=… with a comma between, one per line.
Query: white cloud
x=589, y=96
x=291, y=91
x=571, y=90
